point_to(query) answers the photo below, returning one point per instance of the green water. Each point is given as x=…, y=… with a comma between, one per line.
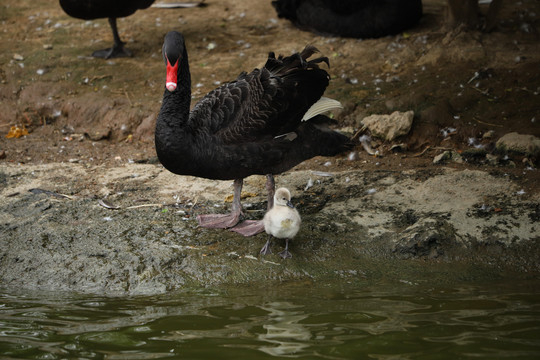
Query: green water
x=394, y=320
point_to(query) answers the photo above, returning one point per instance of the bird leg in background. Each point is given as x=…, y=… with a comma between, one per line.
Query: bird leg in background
x=225, y=221
x=253, y=227
x=117, y=50
x=285, y=253
x=266, y=248
x=271, y=189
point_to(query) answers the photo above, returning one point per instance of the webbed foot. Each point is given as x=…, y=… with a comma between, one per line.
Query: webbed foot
x=266, y=248
x=249, y=227
x=113, y=52
x=218, y=221
x=285, y=254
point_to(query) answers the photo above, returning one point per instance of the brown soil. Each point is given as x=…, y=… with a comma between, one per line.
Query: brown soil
x=85, y=110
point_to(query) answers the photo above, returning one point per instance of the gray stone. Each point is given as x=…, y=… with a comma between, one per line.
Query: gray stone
x=441, y=158
x=520, y=143
x=390, y=126
x=446, y=156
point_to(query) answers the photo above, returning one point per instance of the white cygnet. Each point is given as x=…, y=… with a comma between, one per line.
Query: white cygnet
x=281, y=221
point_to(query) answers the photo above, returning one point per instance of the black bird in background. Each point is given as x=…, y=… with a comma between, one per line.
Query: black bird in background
x=351, y=18
x=111, y=9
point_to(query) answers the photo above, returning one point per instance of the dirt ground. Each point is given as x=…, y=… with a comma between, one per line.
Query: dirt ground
x=95, y=116
x=80, y=109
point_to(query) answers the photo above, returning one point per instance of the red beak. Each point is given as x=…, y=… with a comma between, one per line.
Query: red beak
x=172, y=76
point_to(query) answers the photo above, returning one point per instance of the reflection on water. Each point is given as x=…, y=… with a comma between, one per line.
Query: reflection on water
x=388, y=321
x=283, y=330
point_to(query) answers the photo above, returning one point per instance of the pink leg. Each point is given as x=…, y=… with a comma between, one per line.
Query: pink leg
x=271, y=189
x=225, y=221
x=254, y=227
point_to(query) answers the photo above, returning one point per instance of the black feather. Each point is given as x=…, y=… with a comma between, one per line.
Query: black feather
x=351, y=18
x=233, y=132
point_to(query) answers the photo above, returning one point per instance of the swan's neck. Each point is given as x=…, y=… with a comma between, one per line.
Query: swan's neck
x=175, y=108
x=174, y=133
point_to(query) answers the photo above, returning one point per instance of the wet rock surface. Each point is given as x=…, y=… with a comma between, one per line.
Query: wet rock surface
x=132, y=229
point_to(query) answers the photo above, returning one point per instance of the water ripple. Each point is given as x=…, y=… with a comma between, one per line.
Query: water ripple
x=380, y=322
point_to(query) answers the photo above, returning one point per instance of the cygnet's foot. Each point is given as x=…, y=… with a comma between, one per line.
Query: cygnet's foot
x=249, y=227
x=113, y=52
x=218, y=221
x=285, y=254
x=266, y=248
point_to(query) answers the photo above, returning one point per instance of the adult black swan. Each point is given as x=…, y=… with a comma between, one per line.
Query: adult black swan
x=351, y=18
x=252, y=125
x=111, y=9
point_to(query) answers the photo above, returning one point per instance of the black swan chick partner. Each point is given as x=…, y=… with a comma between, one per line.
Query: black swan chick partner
x=282, y=221
x=111, y=9
x=250, y=126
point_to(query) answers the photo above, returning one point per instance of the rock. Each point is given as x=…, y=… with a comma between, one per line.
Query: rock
x=457, y=158
x=99, y=134
x=448, y=155
x=523, y=144
x=426, y=238
x=492, y=159
x=441, y=158
x=145, y=131
x=390, y=126
x=488, y=135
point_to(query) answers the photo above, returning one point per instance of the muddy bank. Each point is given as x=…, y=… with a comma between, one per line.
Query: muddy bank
x=150, y=243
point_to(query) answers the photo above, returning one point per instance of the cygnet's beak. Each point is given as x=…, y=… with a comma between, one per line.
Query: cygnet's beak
x=290, y=204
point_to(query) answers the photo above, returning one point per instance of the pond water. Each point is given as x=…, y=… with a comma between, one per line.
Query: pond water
x=382, y=320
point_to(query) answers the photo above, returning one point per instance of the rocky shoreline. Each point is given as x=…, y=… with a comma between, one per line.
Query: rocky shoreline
x=131, y=229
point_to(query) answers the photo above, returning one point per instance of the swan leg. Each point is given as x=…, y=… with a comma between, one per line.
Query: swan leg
x=117, y=50
x=285, y=253
x=225, y=221
x=270, y=189
x=266, y=248
x=254, y=227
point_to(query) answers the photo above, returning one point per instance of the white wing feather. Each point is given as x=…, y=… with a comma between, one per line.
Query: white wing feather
x=323, y=105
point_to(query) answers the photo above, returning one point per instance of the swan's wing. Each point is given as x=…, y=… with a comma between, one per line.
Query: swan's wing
x=266, y=102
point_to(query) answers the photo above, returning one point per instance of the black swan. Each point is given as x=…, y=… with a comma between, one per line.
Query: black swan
x=252, y=125
x=351, y=18
x=111, y=9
